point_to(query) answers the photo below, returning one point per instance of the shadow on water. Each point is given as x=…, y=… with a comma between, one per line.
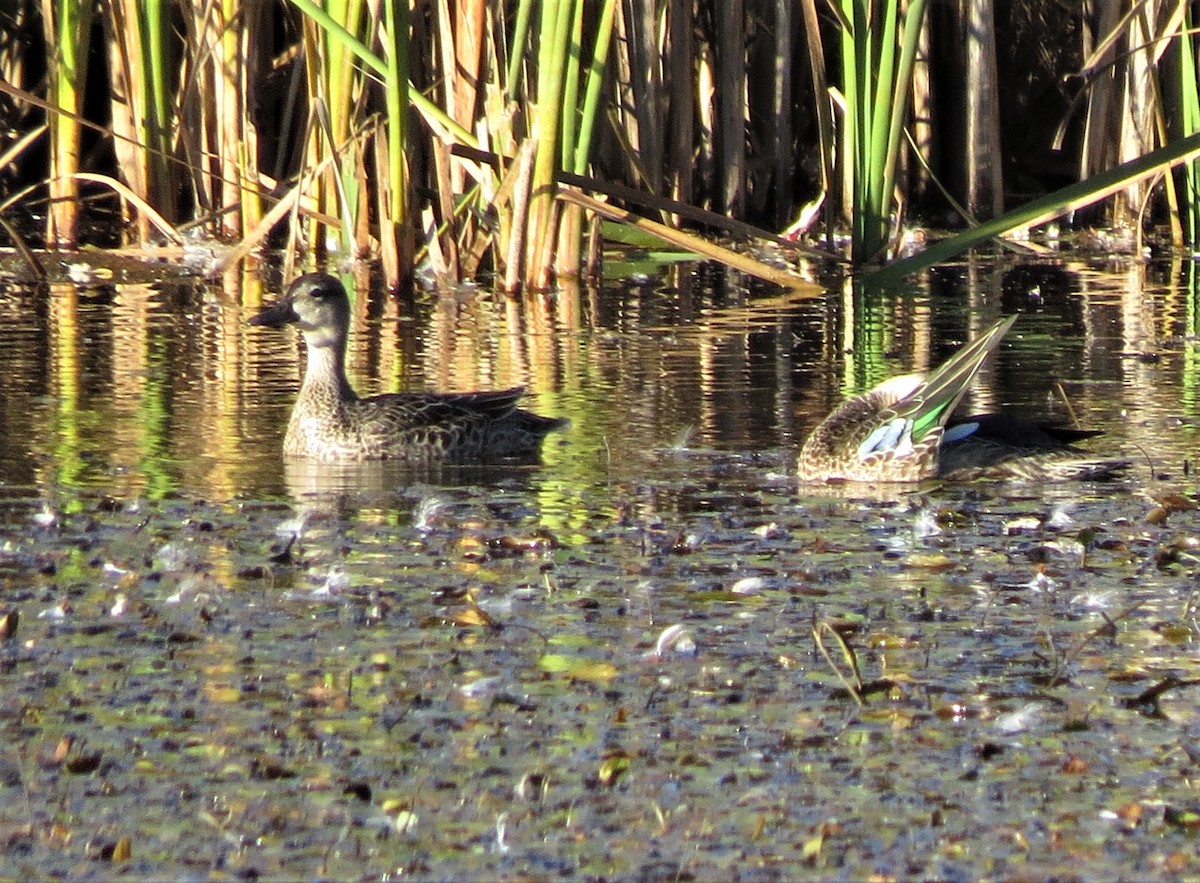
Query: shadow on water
x=604, y=665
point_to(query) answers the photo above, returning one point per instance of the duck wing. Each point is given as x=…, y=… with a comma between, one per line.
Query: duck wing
x=455, y=426
x=928, y=407
x=893, y=432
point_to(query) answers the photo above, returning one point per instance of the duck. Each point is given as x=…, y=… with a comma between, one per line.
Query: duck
x=330, y=422
x=902, y=431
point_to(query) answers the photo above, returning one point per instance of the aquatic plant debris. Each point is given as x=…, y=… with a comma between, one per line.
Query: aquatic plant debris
x=734, y=682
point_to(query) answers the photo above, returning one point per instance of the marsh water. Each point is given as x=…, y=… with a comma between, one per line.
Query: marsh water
x=153, y=388
x=634, y=661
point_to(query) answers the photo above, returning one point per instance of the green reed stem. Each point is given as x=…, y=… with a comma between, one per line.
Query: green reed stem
x=878, y=55
x=592, y=92
x=431, y=111
x=68, y=27
x=516, y=56
x=553, y=49
x=569, y=125
x=1190, y=123
x=396, y=97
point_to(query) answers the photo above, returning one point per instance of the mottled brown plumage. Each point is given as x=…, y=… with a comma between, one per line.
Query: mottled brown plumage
x=330, y=422
x=900, y=431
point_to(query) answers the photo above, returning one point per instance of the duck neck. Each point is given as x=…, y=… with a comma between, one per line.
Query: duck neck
x=326, y=371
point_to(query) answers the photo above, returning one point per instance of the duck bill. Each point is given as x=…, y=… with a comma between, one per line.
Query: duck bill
x=275, y=316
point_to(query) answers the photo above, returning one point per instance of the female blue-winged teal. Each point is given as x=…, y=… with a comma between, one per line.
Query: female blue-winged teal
x=900, y=431
x=330, y=422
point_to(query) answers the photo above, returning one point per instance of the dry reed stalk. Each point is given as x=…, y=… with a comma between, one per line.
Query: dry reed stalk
x=129, y=104
x=1117, y=126
x=646, y=86
x=520, y=215
x=445, y=195
x=985, y=162
x=223, y=66
x=681, y=64
x=730, y=147
x=469, y=35
x=918, y=177
x=779, y=145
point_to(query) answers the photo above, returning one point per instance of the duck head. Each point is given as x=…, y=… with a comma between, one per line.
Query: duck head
x=317, y=304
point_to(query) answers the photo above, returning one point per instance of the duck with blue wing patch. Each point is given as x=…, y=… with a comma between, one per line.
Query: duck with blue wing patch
x=901, y=431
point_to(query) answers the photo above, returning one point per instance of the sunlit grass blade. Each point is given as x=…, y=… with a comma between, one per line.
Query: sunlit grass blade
x=1189, y=123
x=577, y=144
x=1045, y=208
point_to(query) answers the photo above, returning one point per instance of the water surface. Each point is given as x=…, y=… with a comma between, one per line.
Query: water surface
x=151, y=390
x=651, y=657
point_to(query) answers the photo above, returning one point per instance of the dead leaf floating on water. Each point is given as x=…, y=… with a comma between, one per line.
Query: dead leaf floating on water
x=1020, y=720
x=119, y=607
x=266, y=767
x=748, y=585
x=612, y=767
x=1169, y=503
x=770, y=531
x=9, y=621
x=429, y=514
x=405, y=821
x=578, y=669
x=540, y=542
x=106, y=850
x=674, y=638
x=1129, y=815
x=47, y=518
x=481, y=686
x=57, y=611
x=1075, y=765
x=1022, y=524
x=1176, y=502
x=1177, y=550
x=473, y=616
x=61, y=751
x=934, y=562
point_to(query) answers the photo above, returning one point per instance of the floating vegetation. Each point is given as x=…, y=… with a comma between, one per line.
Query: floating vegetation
x=452, y=691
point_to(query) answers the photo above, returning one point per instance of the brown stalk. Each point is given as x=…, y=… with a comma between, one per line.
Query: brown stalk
x=520, y=214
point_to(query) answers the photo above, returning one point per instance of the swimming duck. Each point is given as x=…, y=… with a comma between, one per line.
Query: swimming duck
x=330, y=422
x=900, y=431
